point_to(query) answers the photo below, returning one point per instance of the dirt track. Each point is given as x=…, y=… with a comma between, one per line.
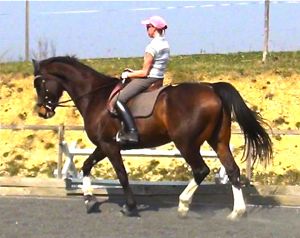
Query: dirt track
x=40, y=217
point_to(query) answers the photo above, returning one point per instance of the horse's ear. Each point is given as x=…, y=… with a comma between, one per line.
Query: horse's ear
x=36, y=65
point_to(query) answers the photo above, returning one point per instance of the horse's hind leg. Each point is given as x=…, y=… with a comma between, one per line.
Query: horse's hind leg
x=200, y=171
x=233, y=172
x=221, y=146
x=185, y=198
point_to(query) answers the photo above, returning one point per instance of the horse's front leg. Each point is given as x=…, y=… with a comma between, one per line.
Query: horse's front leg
x=129, y=208
x=89, y=198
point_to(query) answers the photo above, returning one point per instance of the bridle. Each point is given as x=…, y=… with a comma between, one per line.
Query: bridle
x=47, y=103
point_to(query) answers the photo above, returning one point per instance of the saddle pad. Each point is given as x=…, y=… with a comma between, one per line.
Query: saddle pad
x=142, y=105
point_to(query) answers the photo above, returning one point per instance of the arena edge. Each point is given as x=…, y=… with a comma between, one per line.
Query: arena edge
x=273, y=195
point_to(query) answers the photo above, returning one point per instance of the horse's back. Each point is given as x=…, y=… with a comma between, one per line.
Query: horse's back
x=191, y=94
x=188, y=102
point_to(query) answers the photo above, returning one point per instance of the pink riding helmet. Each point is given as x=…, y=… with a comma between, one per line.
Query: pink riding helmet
x=156, y=21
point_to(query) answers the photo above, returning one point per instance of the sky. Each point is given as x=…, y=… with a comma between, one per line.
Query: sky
x=105, y=29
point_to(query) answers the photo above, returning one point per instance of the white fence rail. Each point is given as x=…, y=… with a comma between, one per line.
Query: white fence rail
x=70, y=151
x=60, y=129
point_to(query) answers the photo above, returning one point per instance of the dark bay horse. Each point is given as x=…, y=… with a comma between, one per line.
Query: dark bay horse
x=187, y=114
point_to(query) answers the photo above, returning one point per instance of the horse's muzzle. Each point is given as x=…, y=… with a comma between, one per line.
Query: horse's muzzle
x=45, y=112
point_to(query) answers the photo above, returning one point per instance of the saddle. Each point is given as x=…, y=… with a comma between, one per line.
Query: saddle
x=142, y=104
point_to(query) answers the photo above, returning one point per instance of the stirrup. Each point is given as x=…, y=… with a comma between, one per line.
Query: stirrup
x=130, y=137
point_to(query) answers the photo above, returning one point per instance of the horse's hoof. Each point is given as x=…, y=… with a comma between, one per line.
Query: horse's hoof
x=183, y=208
x=236, y=215
x=129, y=212
x=91, y=204
x=182, y=214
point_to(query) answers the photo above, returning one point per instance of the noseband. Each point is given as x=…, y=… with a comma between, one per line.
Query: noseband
x=47, y=103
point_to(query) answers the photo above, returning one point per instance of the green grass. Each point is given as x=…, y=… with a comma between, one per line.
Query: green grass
x=191, y=67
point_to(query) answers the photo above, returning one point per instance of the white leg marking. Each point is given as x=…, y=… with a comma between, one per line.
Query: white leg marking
x=87, y=186
x=186, y=197
x=239, y=207
x=223, y=176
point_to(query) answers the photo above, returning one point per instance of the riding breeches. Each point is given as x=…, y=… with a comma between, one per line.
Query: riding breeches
x=136, y=86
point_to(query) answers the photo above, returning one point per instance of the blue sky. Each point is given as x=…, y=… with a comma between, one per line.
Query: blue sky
x=101, y=29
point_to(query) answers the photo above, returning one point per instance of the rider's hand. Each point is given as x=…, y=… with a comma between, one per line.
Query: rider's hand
x=124, y=75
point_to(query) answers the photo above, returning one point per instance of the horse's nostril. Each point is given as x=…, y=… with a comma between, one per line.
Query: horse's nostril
x=42, y=111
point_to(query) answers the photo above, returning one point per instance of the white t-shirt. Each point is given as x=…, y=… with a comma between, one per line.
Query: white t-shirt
x=160, y=50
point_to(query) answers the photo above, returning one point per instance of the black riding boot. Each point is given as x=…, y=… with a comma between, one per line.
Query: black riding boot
x=128, y=133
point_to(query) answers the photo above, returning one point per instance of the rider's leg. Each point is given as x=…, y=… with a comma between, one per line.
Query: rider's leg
x=130, y=134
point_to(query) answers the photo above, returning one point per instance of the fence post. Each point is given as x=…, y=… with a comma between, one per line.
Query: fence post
x=249, y=166
x=27, y=31
x=61, y=132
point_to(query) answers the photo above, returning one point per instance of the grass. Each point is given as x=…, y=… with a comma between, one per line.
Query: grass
x=191, y=67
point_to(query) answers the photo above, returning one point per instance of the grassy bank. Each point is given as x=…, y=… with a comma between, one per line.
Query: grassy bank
x=191, y=68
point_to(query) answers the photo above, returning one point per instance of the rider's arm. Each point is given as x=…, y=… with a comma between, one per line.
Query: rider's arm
x=142, y=73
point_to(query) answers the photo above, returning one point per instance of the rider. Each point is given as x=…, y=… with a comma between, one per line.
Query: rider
x=156, y=57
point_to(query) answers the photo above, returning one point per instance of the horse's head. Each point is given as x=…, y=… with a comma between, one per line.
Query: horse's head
x=48, y=90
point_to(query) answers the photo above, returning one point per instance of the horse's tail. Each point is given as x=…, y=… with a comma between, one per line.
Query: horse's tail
x=257, y=140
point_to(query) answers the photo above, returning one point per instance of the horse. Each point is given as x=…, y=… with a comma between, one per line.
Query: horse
x=187, y=114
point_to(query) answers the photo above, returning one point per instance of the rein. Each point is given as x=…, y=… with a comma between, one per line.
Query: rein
x=59, y=104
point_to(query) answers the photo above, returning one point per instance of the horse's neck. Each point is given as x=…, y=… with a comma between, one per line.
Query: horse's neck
x=87, y=91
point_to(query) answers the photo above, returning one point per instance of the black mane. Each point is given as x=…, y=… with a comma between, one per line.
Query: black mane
x=74, y=61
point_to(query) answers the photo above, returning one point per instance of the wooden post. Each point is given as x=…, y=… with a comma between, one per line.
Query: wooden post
x=27, y=31
x=266, y=32
x=249, y=166
x=61, y=132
